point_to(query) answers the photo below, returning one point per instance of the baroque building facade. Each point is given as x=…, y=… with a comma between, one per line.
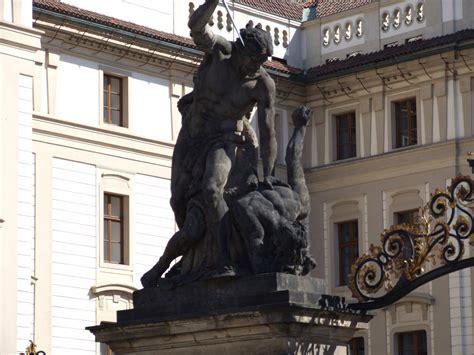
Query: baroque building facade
x=88, y=120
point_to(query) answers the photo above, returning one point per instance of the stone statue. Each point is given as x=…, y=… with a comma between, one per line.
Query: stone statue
x=214, y=171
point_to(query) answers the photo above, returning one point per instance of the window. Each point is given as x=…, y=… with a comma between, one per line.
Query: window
x=405, y=123
x=396, y=18
x=345, y=136
x=337, y=34
x=348, y=246
x=348, y=33
x=420, y=14
x=113, y=100
x=114, y=229
x=356, y=346
x=326, y=35
x=385, y=21
x=407, y=217
x=359, y=28
x=409, y=15
x=412, y=343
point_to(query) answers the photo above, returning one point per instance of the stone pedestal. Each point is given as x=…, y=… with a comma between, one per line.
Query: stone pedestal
x=262, y=314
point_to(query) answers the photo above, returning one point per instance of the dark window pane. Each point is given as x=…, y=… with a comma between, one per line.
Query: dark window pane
x=116, y=203
x=115, y=117
x=348, y=248
x=115, y=101
x=412, y=343
x=116, y=253
x=106, y=230
x=115, y=85
x=408, y=217
x=345, y=136
x=116, y=231
x=356, y=346
x=405, y=123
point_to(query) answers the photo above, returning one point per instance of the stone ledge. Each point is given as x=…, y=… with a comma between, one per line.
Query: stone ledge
x=261, y=314
x=223, y=295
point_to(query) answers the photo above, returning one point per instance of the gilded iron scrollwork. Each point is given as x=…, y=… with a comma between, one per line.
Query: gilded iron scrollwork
x=411, y=255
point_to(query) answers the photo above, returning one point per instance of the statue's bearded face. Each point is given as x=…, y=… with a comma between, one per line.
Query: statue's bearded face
x=258, y=47
x=250, y=61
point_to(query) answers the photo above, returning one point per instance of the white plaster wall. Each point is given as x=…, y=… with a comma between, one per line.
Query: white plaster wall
x=151, y=13
x=452, y=10
x=44, y=91
x=77, y=90
x=154, y=222
x=26, y=214
x=74, y=250
x=6, y=11
x=150, y=107
x=460, y=310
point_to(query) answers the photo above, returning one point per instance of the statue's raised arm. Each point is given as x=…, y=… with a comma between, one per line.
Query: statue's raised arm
x=201, y=33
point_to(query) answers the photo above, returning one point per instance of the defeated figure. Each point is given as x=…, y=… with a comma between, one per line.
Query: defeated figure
x=263, y=231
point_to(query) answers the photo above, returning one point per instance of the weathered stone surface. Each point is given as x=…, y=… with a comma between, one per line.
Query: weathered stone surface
x=260, y=314
x=230, y=221
x=219, y=295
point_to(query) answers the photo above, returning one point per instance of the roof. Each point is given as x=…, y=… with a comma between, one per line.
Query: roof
x=326, y=8
x=284, y=8
x=321, y=72
x=363, y=61
x=78, y=13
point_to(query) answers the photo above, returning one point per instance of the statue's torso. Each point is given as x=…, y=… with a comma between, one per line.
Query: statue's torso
x=221, y=97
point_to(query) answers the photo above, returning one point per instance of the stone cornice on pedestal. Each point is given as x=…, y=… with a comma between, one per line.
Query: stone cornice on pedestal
x=267, y=313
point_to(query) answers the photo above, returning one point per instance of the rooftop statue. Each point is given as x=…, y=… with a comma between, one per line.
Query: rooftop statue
x=230, y=223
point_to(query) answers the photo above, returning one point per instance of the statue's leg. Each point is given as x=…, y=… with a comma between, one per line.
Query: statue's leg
x=180, y=179
x=191, y=232
x=218, y=165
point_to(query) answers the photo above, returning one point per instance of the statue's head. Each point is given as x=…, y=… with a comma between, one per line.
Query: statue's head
x=258, y=47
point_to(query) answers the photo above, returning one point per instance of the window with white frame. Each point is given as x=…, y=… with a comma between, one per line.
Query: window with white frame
x=115, y=222
x=114, y=99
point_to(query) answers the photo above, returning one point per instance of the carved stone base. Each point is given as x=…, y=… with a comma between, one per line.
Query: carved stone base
x=262, y=314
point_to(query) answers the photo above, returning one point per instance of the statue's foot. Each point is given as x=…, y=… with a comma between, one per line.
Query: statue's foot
x=222, y=272
x=149, y=279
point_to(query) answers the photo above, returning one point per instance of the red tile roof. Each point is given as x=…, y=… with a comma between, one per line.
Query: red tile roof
x=329, y=7
x=76, y=12
x=326, y=8
x=389, y=55
x=360, y=62
x=284, y=8
x=61, y=8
